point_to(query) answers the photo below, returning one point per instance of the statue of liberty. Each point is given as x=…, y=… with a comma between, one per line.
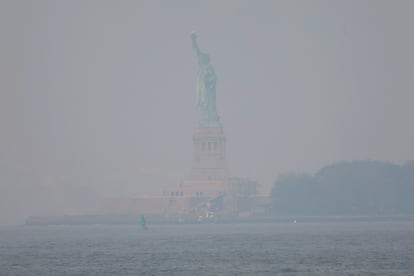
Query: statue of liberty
x=206, y=87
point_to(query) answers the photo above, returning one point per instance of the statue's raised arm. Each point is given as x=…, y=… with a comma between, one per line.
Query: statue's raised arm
x=195, y=45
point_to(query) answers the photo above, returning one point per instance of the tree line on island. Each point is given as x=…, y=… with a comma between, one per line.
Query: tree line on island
x=347, y=188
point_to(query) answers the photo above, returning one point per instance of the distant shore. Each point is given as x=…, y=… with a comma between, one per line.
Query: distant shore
x=121, y=219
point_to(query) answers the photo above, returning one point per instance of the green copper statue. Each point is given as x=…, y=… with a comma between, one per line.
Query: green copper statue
x=206, y=87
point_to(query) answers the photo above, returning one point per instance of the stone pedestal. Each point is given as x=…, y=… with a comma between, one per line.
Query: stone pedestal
x=209, y=161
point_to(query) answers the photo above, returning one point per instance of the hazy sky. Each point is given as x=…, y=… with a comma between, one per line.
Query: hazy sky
x=97, y=98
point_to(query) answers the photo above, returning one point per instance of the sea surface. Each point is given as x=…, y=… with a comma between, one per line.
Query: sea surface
x=324, y=248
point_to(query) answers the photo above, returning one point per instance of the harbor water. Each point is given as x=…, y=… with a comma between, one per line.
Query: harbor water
x=307, y=248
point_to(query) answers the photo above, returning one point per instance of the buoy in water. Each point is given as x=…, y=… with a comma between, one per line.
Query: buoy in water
x=143, y=223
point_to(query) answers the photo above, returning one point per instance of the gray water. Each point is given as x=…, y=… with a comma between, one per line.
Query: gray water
x=328, y=248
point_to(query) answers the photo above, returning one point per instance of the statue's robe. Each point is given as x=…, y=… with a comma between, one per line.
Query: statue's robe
x=206, y=92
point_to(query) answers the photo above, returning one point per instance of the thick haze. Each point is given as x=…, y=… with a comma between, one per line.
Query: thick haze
x=97, y=98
